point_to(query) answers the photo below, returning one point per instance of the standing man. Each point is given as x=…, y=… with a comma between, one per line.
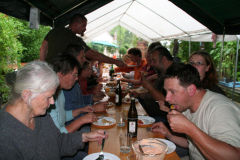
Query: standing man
x=209, y=120
x=57, y=40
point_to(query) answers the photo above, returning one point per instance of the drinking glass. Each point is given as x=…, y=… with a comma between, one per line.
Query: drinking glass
x=125, y=142
x=121, y=119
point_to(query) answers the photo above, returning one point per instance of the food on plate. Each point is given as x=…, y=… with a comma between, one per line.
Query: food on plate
x=140, y=121
x=107, y=89
x=106, y=122
x=127, y=100
x=110, y=105
x=111, y=83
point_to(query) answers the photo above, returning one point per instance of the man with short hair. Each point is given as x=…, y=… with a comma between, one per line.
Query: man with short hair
x=209, y=120
x=66, y=66
x=161, y=60
x=136, y=57
x=74, y=98
x=57, y=40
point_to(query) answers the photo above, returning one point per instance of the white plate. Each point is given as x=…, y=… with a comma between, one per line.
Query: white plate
x=99, y=122
x=131, y=65
x=125, y=100
x=146, y=120
x=106, y=156
x=171, y=145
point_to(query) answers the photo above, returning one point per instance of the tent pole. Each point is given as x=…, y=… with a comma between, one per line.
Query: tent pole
x=235, y=74
x=220, y=62
x=189, y=46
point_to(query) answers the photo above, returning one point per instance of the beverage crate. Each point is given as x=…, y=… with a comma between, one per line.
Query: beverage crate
x=230, y=84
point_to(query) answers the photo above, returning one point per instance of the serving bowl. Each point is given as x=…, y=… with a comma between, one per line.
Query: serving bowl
x=153, y=149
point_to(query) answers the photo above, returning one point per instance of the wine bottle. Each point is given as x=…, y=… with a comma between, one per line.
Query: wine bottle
x=132, y=119
x=118, y=99
x=111, y=71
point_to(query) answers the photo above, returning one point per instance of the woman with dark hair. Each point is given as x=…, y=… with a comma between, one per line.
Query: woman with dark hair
x=203, y=62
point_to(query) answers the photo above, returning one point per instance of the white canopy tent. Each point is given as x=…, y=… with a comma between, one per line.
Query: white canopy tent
x=152, y=20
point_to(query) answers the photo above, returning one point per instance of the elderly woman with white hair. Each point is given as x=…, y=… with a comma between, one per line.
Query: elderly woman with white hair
x=26, y=131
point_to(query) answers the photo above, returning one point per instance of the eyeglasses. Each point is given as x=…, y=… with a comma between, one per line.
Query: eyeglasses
x=197, y=63
x=75, y=75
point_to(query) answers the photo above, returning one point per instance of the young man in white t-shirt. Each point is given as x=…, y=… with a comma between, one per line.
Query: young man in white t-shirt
x=209, y=120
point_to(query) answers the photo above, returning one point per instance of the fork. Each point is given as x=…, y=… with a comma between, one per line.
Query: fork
x=101, y=156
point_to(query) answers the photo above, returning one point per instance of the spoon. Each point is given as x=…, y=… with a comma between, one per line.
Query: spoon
x=140, y=148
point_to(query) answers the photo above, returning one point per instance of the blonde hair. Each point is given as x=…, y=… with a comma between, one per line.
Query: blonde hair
x=126, y=57
x=37, y=77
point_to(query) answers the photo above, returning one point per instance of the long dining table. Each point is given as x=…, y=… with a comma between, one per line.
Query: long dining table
x=112, y=142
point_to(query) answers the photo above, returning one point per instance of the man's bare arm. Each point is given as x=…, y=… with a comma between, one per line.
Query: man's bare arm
x=43, y=50
x=211, y=147
x=133, y=81
x=157, y=95
x=104, y=59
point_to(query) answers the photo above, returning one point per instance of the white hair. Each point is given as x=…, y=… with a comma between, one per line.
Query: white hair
x=37, y=77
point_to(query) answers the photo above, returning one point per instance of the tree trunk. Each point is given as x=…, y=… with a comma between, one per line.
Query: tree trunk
x=175, y=47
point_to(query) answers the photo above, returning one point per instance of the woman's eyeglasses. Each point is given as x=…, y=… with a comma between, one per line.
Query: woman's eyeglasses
x=197, y=63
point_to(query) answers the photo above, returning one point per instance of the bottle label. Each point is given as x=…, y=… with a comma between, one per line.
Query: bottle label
x=117, y=98
x=132, y=125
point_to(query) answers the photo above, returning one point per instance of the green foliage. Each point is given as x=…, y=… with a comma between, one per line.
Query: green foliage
x=31, y=40
x=96, y=47
x=123, y=50
x=228, y=59
x=111, y=50
x=10, y=49
x=124, y=37
x=18, y=44
x=183, y=51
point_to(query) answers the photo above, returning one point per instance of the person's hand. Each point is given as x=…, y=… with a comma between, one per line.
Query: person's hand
x=101, y=106
x=89, y=118
x=101, y=79
x=120, y=63
x=123, y=79
x=162, y=106
x=94, y=74
x=123, y=73
x=178, y=122
x=94, y=136
x=98, y=96
x=161, y=129
x=146, y=84
x=153, y=77
x=87, y=109
x=134, y=94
